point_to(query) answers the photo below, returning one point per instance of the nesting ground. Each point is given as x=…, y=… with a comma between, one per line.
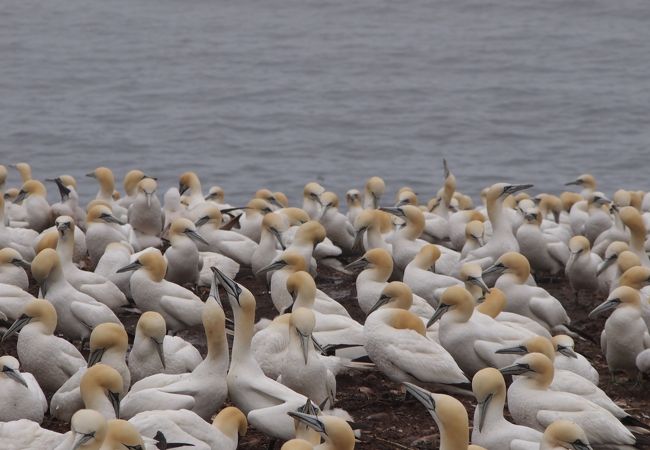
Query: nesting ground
x=388, y=420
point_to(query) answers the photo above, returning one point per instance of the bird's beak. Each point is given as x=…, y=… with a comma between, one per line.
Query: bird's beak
x=478, y=281
x=311, y=421
x=518, y=350
x=383, y=299
x=482, y=411
x=95, y=356
x=358, y=240
x=91, y=175
x=421, y=395
x=160, y=349
x=82, y=439
x=494, y=268
x=114, y=397
x=14, y=375
x=16, y=326
x=394, y=211
x=358, y=264
x=182, y=188
x=514, y=188
x=148, y=196
x=573, y=183
x=603, y=266
x=64, y=192
x=581, y=446
x=202, y=221
x=277, y=265
x=232, y=289
x=196, y=237
x=304, y=345
x=129, y=267
x=19, y=262
x=607, y=305
x=109, y=218
x=567, y=351
x=22, y=195
x=442, y=309
x=515, y=369
x=278, y=236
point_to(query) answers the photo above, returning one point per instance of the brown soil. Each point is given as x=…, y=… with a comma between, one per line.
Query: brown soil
x=387, y=419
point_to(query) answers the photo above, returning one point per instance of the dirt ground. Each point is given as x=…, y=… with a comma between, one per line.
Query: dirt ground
x=387, y=419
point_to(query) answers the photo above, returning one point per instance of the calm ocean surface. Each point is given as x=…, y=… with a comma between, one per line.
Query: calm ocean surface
x=276, y=93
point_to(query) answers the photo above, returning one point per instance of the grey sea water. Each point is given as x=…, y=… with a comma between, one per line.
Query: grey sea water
x=276, y=93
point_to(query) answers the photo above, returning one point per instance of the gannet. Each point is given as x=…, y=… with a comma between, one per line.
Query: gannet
x=599, y=220
x=116, y=256
x=567, y=381
x=251, y=219
x=92, y=284
x=217, y=195
x=378, y=266
x=20, y=239
x=121, y=434
x=353, y=202
x=108, y=345
x=226, y=242
x=503, y=239
x=373, y=190
x=20, y=395
x=336, y=432
x=12, y=269
x=190, y=186
x=421, y=277
x=531, y=403
x=582, y=268
x=458, y=222
x=397, y=343
x=632, y=219
x=102, y=229
x=474, y=237
x=529, y=301
x=563, y=434
x=182, y=256
x=287, y=263
x=264, y=401
x=586, y=181
x=33, y=195
x=491, y=429
x=625, y=334
x=202, y=391
x=106, y=181
x=613, y=267
x=151, y=292
x=145, y=214
x=27, y=434
x=77, y=313
x=472, y=337
x=493, y=304
x=567, y=358
x=269, y=344
x=617, y=232
x=545, y=253
x=184, y=426
x=450, y=416
x=130, y=184
x=339, y=229
x=371, y=226
x=87, y=431
x=270, y=242
x=101, y=388
x=303, y=370
x=69, y=204
x=406, y=240
x=155, y=352
x=53, y=360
